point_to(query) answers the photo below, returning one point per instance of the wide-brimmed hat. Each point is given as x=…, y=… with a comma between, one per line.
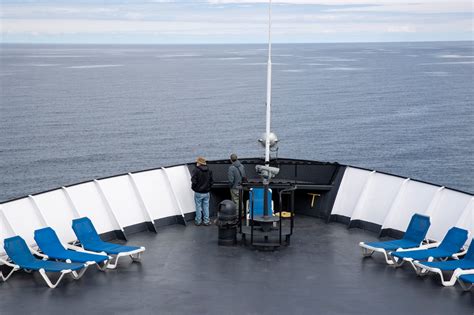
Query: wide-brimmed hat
x=201, y=161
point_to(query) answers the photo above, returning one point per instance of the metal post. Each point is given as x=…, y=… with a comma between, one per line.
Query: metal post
x=241, y=191
x=269, y=85
x=265, y=200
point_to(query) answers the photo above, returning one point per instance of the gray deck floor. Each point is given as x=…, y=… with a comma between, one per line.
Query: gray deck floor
x=184, y=272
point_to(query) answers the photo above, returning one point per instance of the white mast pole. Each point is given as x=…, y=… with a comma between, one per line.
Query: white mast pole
x=269, y=85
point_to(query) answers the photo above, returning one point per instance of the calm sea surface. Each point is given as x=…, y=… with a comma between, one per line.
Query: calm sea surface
x=73, y=113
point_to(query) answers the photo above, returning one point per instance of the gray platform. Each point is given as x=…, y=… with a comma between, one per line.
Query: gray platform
x=184, y=272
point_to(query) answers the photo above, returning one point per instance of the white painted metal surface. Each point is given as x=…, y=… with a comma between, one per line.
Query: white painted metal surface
x=123, y=201
x=466, y=220
x=390, y=201
x=180, y=183
x=118, y=202
x=156, y=194
x=415, y=198
x=269, y=86
x=89, y=204
x=447, y=213
x=23, y=218
x=112, y=204
x=377, y=198
x=57, y=210
x=351, y=188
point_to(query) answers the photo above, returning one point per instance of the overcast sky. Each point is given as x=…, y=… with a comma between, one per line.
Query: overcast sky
x=234, y=21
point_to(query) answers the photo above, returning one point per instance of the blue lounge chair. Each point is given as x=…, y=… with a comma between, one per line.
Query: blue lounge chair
x=467, y=280
x=90, y=240
x=455, y=266
x=20, y=254
x=413, y=237
x=51, y=246
x=448, y=248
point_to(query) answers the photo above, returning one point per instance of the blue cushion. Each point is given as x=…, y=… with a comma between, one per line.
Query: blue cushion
x=417, y=228
x=467, y=278
x=451, y=244
x=423, y=254
x=414, y=235
x=454, y=240
x=109, y=248
x=49, y=243
x=393, y=245
x=470, y=253
x=20, y=254
x=451, y=264
x=90, y=239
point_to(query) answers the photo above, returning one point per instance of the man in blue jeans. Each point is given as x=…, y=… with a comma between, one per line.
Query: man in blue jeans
x=201, y=183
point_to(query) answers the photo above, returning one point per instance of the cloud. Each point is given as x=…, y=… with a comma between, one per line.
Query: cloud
x=237, y=20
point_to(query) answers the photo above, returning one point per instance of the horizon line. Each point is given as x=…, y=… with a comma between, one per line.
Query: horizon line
x=232, y=43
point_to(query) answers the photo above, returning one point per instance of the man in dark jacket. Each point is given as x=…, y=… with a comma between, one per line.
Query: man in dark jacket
x=235, y=174
x=201, y=183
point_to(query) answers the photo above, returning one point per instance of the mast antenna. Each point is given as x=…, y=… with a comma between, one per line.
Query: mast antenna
x=269, y=85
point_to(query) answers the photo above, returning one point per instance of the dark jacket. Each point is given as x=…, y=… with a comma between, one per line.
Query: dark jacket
x=201, y=179
x=235, y=174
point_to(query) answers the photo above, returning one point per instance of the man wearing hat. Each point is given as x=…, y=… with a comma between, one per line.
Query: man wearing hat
x=201, y=183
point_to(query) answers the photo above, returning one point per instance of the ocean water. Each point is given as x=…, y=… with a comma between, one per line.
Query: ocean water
x=70, y=113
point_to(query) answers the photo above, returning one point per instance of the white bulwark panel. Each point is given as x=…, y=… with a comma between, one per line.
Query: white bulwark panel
x=466, y=220
x=156, y=193
x=180, y=180
x=89, y=203
x=415, y=197
x=377, y=198
x=24, y=218
x=118, y=202
x=350, y=190
x=5, y=231
x=391, y=201
x=122, y=200
x=447, y=212
x=58, y=213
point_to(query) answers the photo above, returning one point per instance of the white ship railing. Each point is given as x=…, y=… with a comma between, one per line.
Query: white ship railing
x=121, y=202
x=390, y=201
x=113, y=204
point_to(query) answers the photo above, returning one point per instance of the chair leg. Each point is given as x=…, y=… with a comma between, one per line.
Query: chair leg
x=136, y=257
x=388, y=259
x=366, y=252
x=77, y=275
x=465, y=286
x=103, y=266
x=113, y=262
x=447, y=283
x=420, y=271
x=397, y=262
x=411, y=262
x=48, y=281
x=5, y=278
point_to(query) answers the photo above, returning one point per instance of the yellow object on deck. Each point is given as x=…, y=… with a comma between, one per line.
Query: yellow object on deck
x=284, y=214
x=314, y=198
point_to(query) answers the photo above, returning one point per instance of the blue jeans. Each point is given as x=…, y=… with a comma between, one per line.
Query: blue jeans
x=202, y=205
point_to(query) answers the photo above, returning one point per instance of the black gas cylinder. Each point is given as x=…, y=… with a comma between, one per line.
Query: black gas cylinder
x=227, y=223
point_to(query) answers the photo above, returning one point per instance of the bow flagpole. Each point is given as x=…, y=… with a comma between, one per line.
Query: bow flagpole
x=269, y=85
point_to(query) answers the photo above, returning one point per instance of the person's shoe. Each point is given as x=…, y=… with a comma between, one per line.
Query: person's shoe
x=197, y=224
x=207, y=223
